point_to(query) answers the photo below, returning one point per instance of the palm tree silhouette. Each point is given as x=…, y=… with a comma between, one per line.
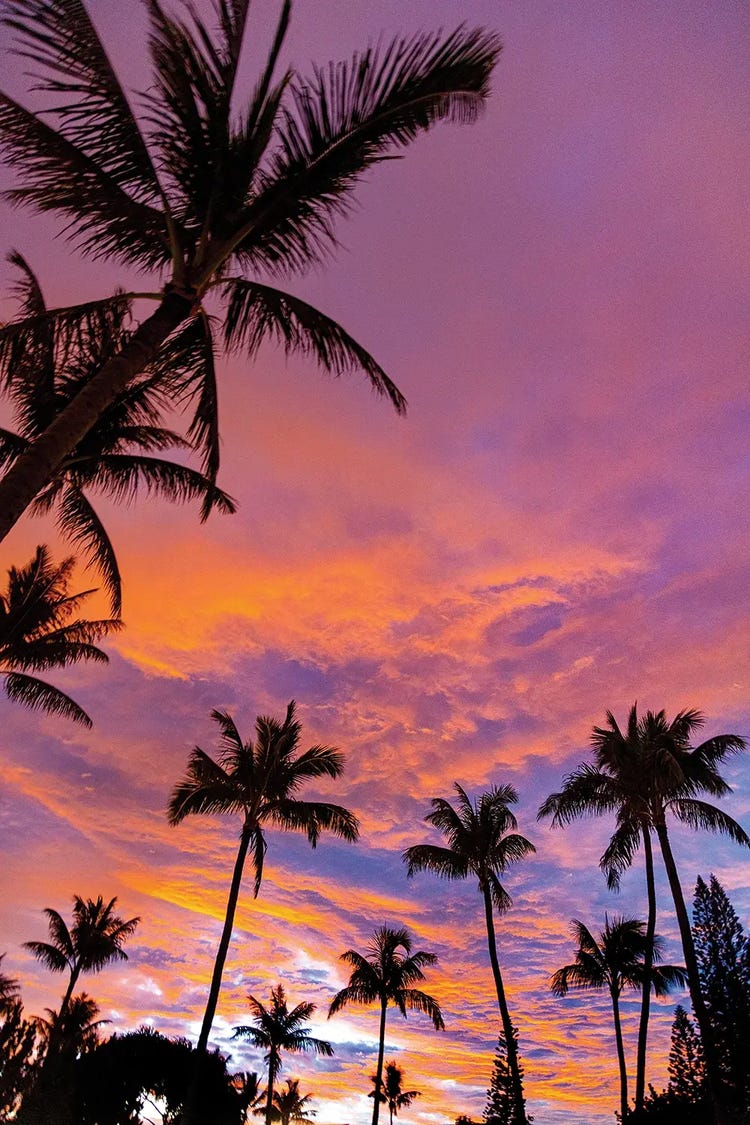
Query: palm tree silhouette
x=9, y=990
x=289, y=1105
x=276, y=1029
x=207, y=191
x=392, y=1091
x=385, y=975
x=259, y=782
x=616, y=961
x=37, y=633
x=482, y=841
x=116, y=457
x=641, y=777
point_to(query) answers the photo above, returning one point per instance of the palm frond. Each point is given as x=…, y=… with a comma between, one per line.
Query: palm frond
x=418, y=1001
x=38, y=695
x=103, y=220
x=258, y=313
x=79, y=522
x=702, y=816
x=620, y=851
x=120, y=475
x=440, y=861
x=49, y=955
x=95, y=115
x=313, y=817
x=345, y=119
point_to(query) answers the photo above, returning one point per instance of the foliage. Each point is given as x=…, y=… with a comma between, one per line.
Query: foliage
x=279, y=1028
x=385, y=975
x=290, y=1105
x=482, y=841
x=39, y=630
x=260, y=782
x=723, y=953
x=118, y=457
x=501, y=1102
x=21, y=1046
x=207, y=191
x=94, y=939
x=391, y=1091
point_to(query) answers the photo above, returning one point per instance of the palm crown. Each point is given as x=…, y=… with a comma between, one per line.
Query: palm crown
x=200, y=187
x=119, y=455
x=615, y=960
x=37, y=633
x=278, y=1028
x=95, y=938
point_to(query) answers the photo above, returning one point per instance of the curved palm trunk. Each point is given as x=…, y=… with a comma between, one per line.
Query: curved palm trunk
x=648, y=964
x=379, y=1068
x=519, y=1113
x=75, y=972
x=226, y=935
x=624, y=1111
x=694, y=984
x=37, y=465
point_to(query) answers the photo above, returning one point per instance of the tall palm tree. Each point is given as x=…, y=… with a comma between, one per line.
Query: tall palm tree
x=95, y=938
x=289, y=1105
x=276, y=1029
x=259, y=781
x=116, y=457
x=481, y=841
x=36, y=633
x=616, y=961
x=212, y=194
x=385, y=975
x=392, y=1091
x=643, y=776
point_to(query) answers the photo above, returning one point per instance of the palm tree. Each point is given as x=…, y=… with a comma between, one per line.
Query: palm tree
x=392, y=1090
x=94, y=940
x=385, y=975
x=616, y=961
x=260, y=782
x=116, y=456
x=9, y=991
x=289, y=1105
x=276, y=1029
x=208, y=192
x=482, y=841
x=36, y=633
x=75, y=1030
x=642, y=776
x=250, y=1092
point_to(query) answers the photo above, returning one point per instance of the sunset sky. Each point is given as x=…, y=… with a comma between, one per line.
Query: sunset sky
x=558, y=527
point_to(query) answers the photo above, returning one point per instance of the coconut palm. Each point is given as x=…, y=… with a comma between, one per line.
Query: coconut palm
x=643, y=776
x=37, y=633
x=95, y=938
x=392, y=1091
x=276, y=1029
x=214, y=194
x=289, y=1105
x=259, y=781
x=116, y=457
x=75, y=1030
x=483, y=842
x=385, y=975
x=616, y=961
x=250, y=1092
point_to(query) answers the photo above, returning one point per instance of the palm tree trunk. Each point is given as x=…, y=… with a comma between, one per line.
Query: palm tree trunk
x=75, y=972
x=620, y=1056
x=379, y=1068
x=648, y=964
x=37, y=465
x=221, y=954
x=273, y=1066
x=519, y=1112
x=694, y=984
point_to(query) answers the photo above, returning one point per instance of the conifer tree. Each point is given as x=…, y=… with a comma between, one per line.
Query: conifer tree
x=723, y=954
x=500, y=1108
x=686, y=1068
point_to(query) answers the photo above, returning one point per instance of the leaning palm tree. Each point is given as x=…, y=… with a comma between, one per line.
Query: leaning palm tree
x=121, y=455
x=276, y=1029
x=643, y=776
x=208, y=193
x=37, y=633
x=385, y=975
x=483, y=842
x=289, y=1105
x=392, y=1092
x=95, y=938
x=260, y=782
x=616, y=961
